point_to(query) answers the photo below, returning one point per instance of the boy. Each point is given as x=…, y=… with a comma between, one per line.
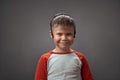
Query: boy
x=63, y=63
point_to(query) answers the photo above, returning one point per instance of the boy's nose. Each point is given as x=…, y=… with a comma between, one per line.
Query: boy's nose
x=64, y=37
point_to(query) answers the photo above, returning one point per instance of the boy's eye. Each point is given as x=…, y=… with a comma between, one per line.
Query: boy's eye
x=69, y=34
x=59, y=34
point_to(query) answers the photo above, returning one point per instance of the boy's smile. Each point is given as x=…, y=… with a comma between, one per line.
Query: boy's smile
x=63, y=37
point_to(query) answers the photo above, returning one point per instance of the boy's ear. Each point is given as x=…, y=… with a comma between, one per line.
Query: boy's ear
x=51, y=35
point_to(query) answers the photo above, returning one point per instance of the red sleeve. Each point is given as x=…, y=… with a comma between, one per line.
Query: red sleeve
x=85, y=70
x=41, y=70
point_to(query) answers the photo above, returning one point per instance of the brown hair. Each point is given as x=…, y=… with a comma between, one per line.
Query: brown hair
x=62, y=19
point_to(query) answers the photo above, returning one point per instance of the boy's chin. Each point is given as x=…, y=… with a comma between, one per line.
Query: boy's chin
x=64, y=48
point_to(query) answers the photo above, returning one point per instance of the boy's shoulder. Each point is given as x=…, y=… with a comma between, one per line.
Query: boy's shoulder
x=46, y=54
x=79, y=54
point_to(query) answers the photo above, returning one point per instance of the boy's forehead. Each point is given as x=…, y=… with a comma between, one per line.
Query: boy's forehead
x=62, y=26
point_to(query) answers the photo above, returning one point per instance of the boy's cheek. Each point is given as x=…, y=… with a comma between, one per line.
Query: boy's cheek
x=71, y=39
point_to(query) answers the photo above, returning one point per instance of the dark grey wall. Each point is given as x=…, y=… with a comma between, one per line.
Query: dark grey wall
x=24, y=35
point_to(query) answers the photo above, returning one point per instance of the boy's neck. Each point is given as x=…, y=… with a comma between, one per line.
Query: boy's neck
x=59, y=50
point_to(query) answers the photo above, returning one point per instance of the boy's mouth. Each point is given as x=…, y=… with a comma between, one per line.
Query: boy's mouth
x=65, y=42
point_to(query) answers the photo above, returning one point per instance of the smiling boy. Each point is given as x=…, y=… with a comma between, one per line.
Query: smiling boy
x=63, y=63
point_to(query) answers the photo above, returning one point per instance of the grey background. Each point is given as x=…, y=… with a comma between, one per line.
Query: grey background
x=24, y=35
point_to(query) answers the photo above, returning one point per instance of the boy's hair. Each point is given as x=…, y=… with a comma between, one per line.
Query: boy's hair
x=62, y=19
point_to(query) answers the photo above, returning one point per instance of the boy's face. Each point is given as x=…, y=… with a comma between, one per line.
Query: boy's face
x=63, y=37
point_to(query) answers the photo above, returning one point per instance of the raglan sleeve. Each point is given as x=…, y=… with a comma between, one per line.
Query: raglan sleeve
x=41, y=70
x=85, y=71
